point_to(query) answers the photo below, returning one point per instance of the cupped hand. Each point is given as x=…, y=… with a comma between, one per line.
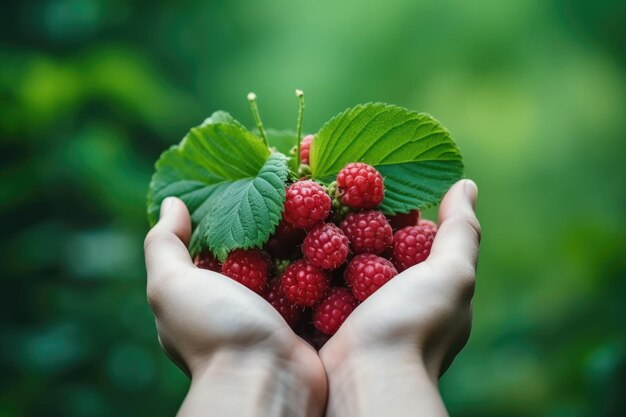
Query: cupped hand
x=425, y=311
x=202, y=314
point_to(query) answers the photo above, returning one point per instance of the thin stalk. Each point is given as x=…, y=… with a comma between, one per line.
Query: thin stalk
x=300, y=95
x=257, y=117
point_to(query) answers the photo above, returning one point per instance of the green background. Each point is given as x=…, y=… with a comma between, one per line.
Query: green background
x=534, y=92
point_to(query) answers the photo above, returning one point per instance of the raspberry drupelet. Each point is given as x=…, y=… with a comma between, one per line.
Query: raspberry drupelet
x=360, y=186
x=305, y=148
x=368, y=232
x=206, y=260
x=304, y=284
x=429, y=224
x=330, y=314
x=288, y=310
x=248, y=267
x=306, y=203
x=366, y=273
x=325, y=246
x=411, y=245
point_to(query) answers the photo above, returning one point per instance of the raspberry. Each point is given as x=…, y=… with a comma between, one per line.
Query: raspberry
x=306, y=203
x=401, y=220
x=283, y=244
x=206, y=260
x=334, y=310
x=305, y=148
x=304, y=284
x=411, y=245
x=366, y=273
x=427, y=223
x=325, y=246
x=276, y=297
x=368, y=231
x=248, y=267
x=360, y=185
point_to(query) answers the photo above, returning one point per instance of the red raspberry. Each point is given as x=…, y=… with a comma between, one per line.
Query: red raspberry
x=334, y=310
x=206, y=260
x=411, y=245
x=325, y=246
x=427, y=223
x=360, y=185
x=305, y=148
x=401, y=220
x=306, y=203
x=284, y=243
x=304, y=284
x=248, y=267
x=368, y=231
x=366, y=273
x=276, y=297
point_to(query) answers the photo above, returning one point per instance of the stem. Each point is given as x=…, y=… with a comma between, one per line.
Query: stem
x=300, y=95
x=257, y=117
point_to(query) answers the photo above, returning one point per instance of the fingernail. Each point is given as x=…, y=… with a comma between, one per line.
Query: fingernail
x=471, y=191
x=166, y=205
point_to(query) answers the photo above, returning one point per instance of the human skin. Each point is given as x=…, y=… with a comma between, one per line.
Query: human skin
x=386, y=359
x=388, y=355
x=242, y=357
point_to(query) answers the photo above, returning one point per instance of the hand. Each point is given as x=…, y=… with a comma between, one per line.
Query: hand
x=208, y=323
x=411, y=329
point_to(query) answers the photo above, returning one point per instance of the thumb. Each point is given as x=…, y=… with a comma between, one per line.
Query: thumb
x=458, y=237
x=165, y=245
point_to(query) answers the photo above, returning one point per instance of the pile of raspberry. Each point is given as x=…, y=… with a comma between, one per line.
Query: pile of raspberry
x=329, y=253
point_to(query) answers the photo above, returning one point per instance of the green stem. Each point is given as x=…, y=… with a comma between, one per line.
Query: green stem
x=257, y=117
x=300, y=95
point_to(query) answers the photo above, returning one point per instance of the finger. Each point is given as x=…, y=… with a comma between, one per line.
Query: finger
x=458, y=237
x=165, y=245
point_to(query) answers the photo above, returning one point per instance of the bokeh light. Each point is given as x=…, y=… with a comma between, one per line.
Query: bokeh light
x=534, y=93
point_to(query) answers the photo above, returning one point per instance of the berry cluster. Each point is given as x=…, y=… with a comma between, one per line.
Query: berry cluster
x=321, y=262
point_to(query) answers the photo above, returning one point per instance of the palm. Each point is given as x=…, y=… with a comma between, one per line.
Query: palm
x=216, y=311
x=210, y=311
x=406, y=310
x=199, y=312
x=427, y=307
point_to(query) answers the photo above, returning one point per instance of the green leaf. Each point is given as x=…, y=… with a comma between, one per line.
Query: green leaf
x=221, y=117
x=248, y=209
x=415, y=154
x=215, y=163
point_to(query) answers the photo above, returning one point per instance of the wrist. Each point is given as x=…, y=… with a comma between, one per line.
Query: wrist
x=361, y=380
x=347, y=348
x=255, y=382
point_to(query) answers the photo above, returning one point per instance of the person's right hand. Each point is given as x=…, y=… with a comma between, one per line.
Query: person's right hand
x=241, y=355
x=410, y=330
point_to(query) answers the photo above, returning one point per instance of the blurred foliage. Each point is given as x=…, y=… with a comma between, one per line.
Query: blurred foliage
x=91, y=91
